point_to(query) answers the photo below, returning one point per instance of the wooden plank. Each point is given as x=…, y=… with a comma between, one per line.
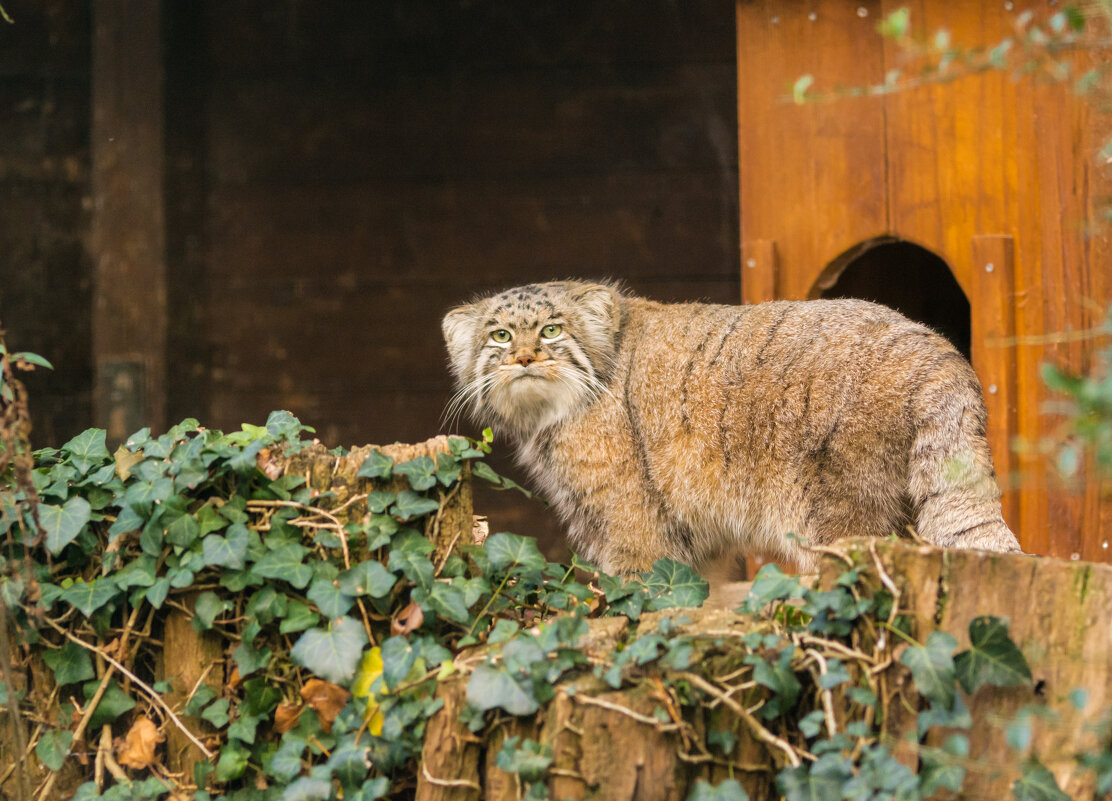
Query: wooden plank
x=488, y=232
x=128, y=230
x=812, y=177
x=760, y=271
x=581, y=121
x=992, y=280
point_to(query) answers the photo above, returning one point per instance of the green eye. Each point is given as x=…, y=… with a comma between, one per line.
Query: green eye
x=501, y=336
x=551, y=331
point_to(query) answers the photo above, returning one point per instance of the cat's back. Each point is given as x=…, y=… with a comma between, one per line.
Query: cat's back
x=718, y=391
x=775, y=340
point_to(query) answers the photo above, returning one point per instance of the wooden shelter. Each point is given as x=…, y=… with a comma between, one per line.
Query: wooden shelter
x=970, y=205
x=220, y=209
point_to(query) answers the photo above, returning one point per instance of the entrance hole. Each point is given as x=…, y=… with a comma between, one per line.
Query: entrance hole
x=907, y=278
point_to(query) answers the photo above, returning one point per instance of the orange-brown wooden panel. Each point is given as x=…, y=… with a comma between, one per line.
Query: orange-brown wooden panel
x=950, y=145
x=811, y=177
x=759, y=271
x=992, y=284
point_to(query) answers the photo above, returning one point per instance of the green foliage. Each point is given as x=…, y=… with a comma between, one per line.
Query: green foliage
x=992, y=657
x=361, y=602
x=728, y=790
x=1087, y=403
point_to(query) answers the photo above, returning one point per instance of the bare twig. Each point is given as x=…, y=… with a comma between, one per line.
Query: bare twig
x=624, y=710
x=448, y=782
x=758, y=730
x=827, y=697
x=146, y=688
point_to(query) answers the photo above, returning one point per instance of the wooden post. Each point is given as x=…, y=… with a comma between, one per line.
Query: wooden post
x=994, y=357
x=760, y=282
x=128, y=226
x=759, y=271
x=189, y=658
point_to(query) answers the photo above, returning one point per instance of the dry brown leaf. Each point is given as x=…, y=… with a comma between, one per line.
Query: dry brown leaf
x=137, y=749
x=234, y=679
x=268, y=466
x=327, y=699
x=285, y=717
x=408, y=619
x=125, y=460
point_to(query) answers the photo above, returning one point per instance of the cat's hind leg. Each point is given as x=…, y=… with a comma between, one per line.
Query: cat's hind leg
x=951, y=481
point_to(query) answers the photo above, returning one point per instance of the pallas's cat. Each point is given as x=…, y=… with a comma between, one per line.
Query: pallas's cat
x=698, y=432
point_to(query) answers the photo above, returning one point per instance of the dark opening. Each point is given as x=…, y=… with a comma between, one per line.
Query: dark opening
x=911, y=280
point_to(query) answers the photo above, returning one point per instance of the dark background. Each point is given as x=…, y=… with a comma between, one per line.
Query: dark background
x=339, y=174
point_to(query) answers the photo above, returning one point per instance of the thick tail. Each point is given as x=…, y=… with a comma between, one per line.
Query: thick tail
x=951, y=480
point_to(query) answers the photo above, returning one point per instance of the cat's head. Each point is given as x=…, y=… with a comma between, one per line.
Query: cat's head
x=531, y=355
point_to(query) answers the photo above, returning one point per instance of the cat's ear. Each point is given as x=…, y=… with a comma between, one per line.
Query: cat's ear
x=600, y=303
x=459, y=334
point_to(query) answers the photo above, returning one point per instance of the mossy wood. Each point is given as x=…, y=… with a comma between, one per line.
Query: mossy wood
x=607, y=744
x=190, y=656
x=659, y=728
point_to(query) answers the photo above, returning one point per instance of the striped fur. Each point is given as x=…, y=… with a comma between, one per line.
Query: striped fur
x=697, y=431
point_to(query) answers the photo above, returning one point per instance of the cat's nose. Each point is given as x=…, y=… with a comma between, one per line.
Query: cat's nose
x=524, y=359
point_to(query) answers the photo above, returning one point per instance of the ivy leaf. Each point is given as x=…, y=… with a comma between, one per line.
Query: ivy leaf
x=448, y=470
x=530, y=761
x=232, y=762
x=507, y=550
x=288, y=563
x=443, y=599
x=727, y=790
x=53, y=748
x=378, y=501
x=286, y=762
x=113, y=703
x=674, y=584
x=398, y=658
x=376, y=465
x=142, y=495
x=491, y=687
x=992, y=657
x=207, y=606
x=932, y=667
x=946, y=769
x=87, y=449
x=248, y=658
x=209, y=519
x=283, y=425
x=409, y=554
x=1036, y=783
x=367, y=578
x=821, y=781
x=158, y=592
x=259, y=698
x=772, y=584
x=307, y=788
x=349, y=763
x=229, y=550
x=139, y=572
x=63, y=523
x=184, y=531
x=88, y=597
x=957, y=717
x=421, y=473
x=778, y=677
x=216, y=713
x=298, y=618
x=410, y=505
x=246, y=461
x=332, y=653
x=330, y=599
x=70, y=663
